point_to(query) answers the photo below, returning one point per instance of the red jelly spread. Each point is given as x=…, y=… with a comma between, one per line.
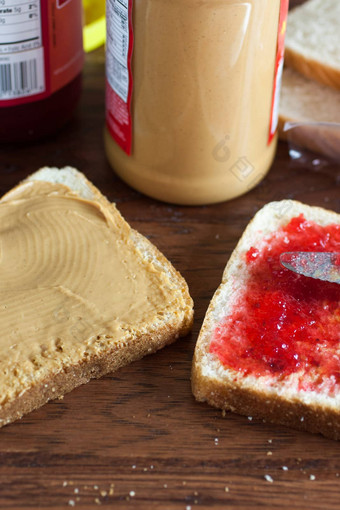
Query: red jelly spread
x=282, y=323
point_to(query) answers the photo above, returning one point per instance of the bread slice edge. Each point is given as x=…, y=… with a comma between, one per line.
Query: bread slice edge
x=312, y=40
x=313, y=69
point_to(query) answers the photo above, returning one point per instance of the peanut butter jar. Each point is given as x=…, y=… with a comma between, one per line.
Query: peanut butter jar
x=192, y=90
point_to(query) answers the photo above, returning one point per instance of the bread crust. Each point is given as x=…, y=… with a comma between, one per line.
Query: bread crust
x=112, y=355
x=274, y=409
x=224, y=388
x=314, y=127
x=61, y=383
x=312, y=69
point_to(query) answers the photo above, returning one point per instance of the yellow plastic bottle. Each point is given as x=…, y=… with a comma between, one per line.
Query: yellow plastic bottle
x=94, y=27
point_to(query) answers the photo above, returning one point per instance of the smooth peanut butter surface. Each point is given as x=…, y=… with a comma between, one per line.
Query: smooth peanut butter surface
x=71, y=278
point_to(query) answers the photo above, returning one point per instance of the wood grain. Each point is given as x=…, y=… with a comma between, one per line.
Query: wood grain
x=137, y=438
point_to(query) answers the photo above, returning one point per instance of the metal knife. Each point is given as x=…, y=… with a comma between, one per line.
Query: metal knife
x=320, y=265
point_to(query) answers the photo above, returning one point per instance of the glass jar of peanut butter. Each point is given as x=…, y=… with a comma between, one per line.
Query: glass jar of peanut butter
x=192, y=95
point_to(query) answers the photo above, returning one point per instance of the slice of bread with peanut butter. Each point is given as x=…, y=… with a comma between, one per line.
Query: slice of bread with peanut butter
x=81, y=294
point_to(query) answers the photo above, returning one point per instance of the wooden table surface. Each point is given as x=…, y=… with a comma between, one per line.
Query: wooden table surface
x=137, y=438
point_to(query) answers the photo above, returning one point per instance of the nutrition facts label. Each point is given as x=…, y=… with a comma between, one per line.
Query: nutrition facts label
x=20, y=25
x=118, y=47
x=119, y=80
x=21, y=52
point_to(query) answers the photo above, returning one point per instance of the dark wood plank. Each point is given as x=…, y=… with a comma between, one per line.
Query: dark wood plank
x=137, y=438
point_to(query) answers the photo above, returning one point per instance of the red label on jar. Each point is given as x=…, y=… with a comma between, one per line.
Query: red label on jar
x=119, y=46
x=41, y=49
x=274, y=113
x=61, y=3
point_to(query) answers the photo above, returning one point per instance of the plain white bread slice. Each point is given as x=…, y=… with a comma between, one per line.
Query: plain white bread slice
x=108, y=355
x=313, y=41
x=263, y=397
x=314, y=105
x=304, y=100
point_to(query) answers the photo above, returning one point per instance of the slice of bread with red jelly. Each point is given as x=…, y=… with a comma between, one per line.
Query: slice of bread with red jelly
x=269, y=346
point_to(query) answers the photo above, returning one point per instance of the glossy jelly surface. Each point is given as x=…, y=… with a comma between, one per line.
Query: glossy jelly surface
x=282, y=322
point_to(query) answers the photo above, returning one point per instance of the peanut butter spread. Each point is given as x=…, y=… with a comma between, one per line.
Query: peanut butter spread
x=72, y=279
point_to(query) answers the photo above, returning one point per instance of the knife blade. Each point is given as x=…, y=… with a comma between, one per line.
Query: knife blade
x=320, y=265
